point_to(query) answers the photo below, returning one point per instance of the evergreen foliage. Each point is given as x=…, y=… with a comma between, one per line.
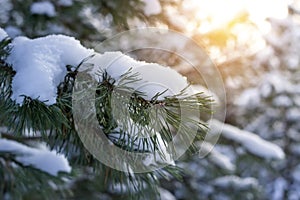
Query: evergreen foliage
x=55, y=126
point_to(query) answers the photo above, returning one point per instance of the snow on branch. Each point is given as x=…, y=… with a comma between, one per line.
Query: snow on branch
x=3, y=34
x=40, y=66
x=154, y=78
x=152, y=7
x=43, y=8
x=39, y=158
x=217, y=158
x=252, y=142
x=235, y=182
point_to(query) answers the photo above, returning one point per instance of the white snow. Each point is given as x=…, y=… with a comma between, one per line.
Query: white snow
x=295, y=149
x=165, y=194
x=217, y=158
x=294, y=193
x=249, y=98
x=293, y=133
x=175, y=19
x=266, y=90
x=115, y=63
x=13, y=31
x=297, y=100
x=280, y=185
x=154, y=78
x=293, y=114
x=252, y=142
x=296, y=173
x=157, y=79
x=43, y=8
x=279, y=82
x=282, y=101
x=3, y=34
x=39, y=158
x=41, y=65
x=65, y=3
x=236, y=182
x=102, y=23
x=152, y=7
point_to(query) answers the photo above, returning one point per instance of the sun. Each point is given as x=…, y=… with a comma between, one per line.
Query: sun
x=227, y=26
x=215, y=14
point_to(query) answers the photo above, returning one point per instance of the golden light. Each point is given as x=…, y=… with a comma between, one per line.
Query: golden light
x=216, y=14
x=225, y=23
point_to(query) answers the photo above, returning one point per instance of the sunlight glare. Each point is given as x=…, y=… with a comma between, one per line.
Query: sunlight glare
x=218, y=13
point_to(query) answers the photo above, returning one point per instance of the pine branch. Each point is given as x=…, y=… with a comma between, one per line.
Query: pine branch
x=123, y=113
x=20, y=138
x=21, y=182
x=4, y=49
x=145, y=112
